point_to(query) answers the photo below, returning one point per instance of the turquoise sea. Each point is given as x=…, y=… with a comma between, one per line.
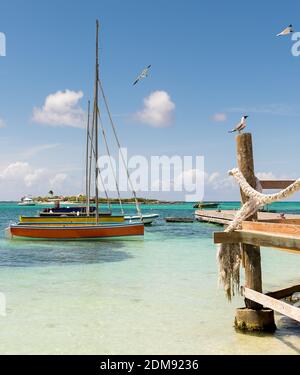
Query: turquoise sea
x=157, y=295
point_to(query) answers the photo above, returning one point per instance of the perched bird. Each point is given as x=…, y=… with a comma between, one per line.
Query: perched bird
x=286, y=31
x=144, y=74
x=240, y=126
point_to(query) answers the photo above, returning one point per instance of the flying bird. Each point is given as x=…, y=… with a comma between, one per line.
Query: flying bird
x=144, y=74
x=288, y=30
x=240, y=126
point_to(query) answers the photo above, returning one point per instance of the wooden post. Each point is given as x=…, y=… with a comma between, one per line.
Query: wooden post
x=251, y=254
x=254, y=317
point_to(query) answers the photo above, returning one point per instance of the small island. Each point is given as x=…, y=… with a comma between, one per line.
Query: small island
x=81, y=199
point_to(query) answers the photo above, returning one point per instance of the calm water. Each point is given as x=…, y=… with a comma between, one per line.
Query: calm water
x=153, y=296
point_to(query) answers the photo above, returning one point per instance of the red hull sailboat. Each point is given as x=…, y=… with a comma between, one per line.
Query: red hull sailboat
x=76, y=232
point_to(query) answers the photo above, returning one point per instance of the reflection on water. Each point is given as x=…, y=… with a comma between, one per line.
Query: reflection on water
x=38, y=253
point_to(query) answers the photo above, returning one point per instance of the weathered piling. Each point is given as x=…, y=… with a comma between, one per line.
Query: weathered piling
x=251, y=254
x=254, y=317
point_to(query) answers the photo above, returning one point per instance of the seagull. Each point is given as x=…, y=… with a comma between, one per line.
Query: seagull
x=286, y=31
x=240, y=126
x=144, y=74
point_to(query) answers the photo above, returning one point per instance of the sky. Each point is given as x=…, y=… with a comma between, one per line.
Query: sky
x=211, y=62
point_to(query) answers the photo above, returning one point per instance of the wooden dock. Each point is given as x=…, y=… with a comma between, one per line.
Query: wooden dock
x=225, y=216
x=266, y=229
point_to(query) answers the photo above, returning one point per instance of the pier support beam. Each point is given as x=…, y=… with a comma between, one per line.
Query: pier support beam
x=248, y=320
x=253, y=318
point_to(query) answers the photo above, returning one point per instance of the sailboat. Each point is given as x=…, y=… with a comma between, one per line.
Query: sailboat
x=62, y=215
x=70, y=230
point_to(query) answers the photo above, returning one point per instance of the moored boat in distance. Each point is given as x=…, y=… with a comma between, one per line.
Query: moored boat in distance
x=202, y=205
x=146, y=218
x=179, y=219
x=26, y=201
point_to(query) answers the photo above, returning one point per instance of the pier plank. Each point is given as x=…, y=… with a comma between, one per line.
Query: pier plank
x=289, y=243
x=273, y=304
x=282, y=228
x=226, y=216
x=282, y=221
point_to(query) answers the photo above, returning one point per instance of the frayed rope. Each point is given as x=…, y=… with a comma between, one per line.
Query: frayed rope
x=229, y=258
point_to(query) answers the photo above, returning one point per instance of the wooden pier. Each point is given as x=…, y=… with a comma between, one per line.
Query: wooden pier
x=225, y=216
x=261, y=229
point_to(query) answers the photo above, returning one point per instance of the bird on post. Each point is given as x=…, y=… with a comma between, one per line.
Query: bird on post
x=288, y=30
x=240, y=126
x=144, y=74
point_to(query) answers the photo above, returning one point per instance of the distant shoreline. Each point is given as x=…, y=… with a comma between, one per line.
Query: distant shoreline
x=81, y=203
x=124, y=202
x=112, y=201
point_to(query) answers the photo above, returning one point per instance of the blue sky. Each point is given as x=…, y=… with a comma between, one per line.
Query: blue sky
x=209, y=56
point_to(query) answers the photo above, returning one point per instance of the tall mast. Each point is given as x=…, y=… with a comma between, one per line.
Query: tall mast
x=87, y=175
x=96, y=122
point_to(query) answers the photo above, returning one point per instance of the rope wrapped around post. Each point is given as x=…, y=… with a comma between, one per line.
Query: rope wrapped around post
x=229, y=255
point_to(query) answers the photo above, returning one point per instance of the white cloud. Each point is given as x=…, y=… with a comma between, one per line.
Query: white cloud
x=34, y=177
x=21, y=178
x=202, y=183
x=57, y=182
x=2, y=123
x=219, y=117
x=61, y=109
x=212, y=177
x=158, y=110
x=188, y=178
x=220, y=182
x=14, y=170
x=21, y=172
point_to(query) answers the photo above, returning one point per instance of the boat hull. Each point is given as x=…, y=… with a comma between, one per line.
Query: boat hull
x=75, y=232
x=69, y=219
x=147, y=218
